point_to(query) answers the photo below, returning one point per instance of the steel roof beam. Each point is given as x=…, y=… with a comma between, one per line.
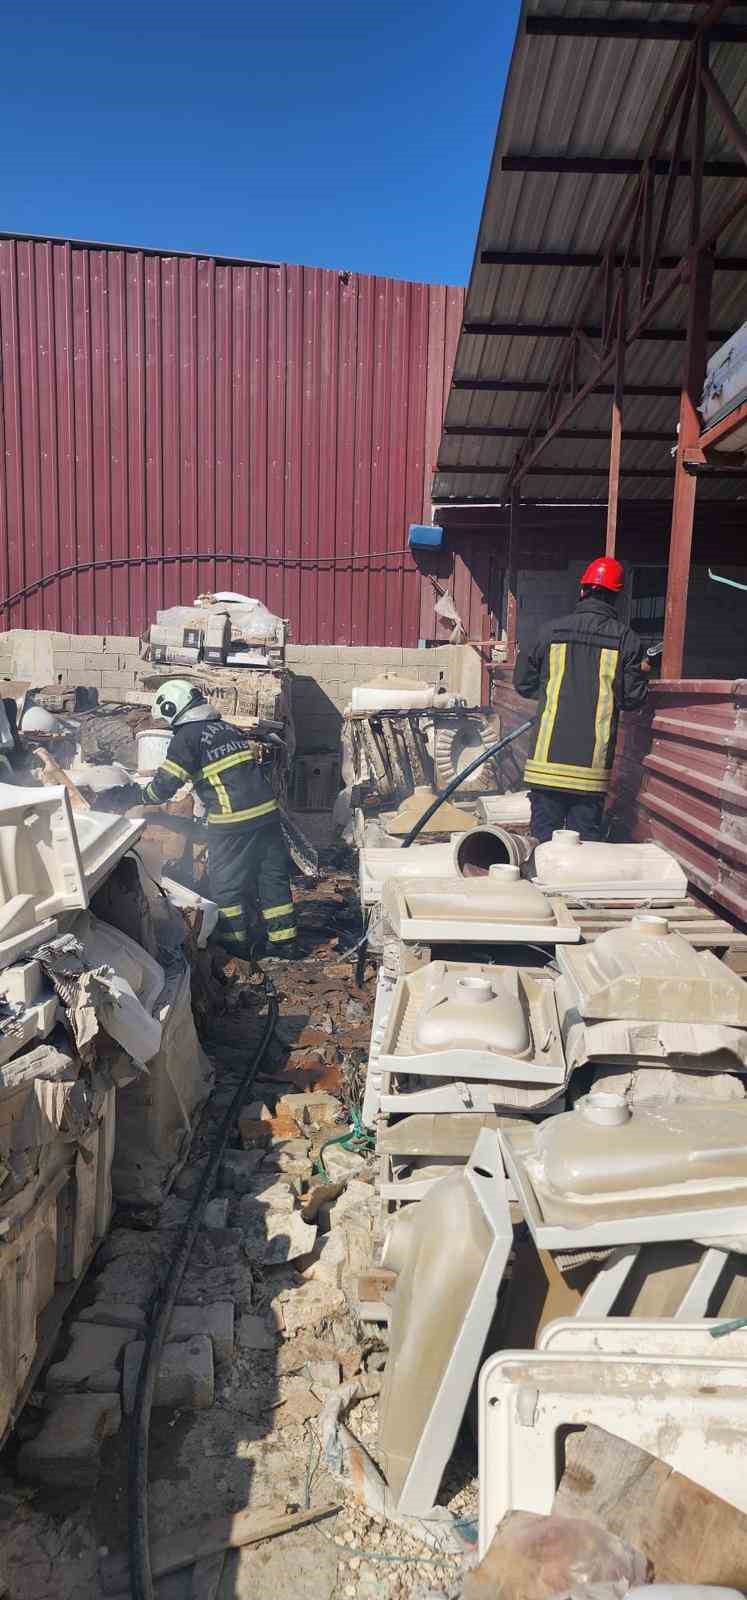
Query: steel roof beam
x=661, y=391
x=570, y=258
x=579, y=472
x=563, y=330
x=630, y=28
x=450, y=502
x=615, y=166
x=590, y=435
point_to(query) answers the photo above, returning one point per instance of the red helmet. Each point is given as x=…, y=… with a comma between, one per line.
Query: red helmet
x=604, y=573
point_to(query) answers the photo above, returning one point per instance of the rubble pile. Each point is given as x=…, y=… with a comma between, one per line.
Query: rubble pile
x=489, y=1181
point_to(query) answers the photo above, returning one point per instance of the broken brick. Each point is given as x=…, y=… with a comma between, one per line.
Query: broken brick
x=66, y=1452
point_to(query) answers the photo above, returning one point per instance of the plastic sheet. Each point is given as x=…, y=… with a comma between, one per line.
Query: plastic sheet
x=552, y=1558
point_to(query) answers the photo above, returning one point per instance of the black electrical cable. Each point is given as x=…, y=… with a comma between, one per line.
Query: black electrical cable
x=485, y=755
x=180, y=557
x=138, y=1533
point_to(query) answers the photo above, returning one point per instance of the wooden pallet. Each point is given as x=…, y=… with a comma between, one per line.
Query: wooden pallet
x=704, y=929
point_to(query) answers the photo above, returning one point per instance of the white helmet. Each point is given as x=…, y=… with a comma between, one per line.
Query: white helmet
x=175, y=697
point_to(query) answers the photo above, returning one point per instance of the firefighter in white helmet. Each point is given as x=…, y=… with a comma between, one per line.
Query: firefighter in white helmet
x=247, y=858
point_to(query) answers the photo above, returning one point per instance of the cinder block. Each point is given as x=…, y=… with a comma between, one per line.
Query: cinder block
x=185, y=1375
x=113, y=663
x=321, y=652
x=83, y=680
x=215, y=1321
x=71, y=661
x=62, y=641
x=65, y=1454
x=117, y=680
x=92, y=1362
x=88, y=643
x=120, y=644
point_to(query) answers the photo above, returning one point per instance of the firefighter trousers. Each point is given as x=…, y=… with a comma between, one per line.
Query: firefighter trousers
x=248, y=872
x=563, y=808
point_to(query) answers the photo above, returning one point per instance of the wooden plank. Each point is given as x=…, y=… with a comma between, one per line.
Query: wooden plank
x=687, y=1534
x=48, y=1327
x=207, y=1538
x=55, y=775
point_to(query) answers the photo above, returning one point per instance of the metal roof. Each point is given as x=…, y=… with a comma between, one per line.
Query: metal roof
x=575, y=97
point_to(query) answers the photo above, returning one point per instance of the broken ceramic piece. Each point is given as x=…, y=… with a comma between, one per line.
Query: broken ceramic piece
x=648, y=973
x=607, y=1173
x=596, y=871
x=51, y=860
x=450, y=1253
x=29, y=1007
x=107, y=946
x=447, y=819
x=453, y=1019
x=701, y=1046
x=103, y=839
x=498, y=909
x=41, y=873
x=375, y=866
x=691, y=1414
x=507, y=810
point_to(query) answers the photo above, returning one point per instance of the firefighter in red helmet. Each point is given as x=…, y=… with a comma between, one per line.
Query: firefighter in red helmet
x=583, y=670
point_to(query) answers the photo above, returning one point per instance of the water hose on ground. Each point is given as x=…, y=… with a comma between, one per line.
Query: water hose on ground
x=141, y=1576
x=485, y=755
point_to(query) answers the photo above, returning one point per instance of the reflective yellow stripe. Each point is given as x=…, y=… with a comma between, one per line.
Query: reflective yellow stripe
x=605, y=706
x=236, y=760
x=234, y=938
x=548, y=776
x=231, y=911
x=245, y=816
x=277, y=911
x=221, y=794
x=176, y=771
x=149, y=795
x=281, y=933
x=552, y=695
x=563, y=770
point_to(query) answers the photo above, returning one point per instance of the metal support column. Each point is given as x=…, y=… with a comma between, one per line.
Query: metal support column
x=613, y=492
x=696, y=353
x=511, y=581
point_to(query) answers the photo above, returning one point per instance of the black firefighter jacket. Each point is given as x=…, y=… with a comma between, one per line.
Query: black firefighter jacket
x=584, y=669
x=222, y=763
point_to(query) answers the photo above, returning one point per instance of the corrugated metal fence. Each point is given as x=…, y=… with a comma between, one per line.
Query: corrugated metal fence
x=156, y=406
x=680, y=778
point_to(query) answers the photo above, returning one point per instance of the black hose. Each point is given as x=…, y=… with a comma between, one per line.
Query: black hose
x=485, y=755
x=141, y=1576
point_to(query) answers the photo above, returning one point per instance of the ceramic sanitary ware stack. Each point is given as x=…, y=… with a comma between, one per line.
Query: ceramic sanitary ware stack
x=85, y=1015
x=600, y=1100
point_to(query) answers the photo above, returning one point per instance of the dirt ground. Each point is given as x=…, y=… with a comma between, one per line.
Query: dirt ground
x=255, y=1446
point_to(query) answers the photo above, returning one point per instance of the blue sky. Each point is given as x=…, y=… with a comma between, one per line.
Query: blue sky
x=354, y=135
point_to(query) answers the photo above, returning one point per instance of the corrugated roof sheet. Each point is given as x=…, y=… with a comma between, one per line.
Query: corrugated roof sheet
x=574, y=97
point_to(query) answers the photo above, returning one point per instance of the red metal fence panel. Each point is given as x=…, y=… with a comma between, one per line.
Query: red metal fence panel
x=159, y=406
x=680, y=777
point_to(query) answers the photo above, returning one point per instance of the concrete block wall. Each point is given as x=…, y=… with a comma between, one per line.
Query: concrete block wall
x=92, y=661
x=323, y=675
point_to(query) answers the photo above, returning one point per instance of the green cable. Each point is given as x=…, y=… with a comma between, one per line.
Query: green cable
x=355, y=1136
